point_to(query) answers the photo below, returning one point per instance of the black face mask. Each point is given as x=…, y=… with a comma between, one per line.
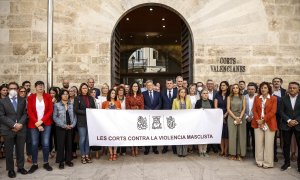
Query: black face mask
x=66, y=87
x=28, y=90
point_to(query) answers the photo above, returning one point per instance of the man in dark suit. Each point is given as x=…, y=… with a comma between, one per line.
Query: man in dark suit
x=210, y=85
x=167, y=97
x=277, y=89
x=152, y=101
x=13, y=117
x=242, y=86
x=290, y=112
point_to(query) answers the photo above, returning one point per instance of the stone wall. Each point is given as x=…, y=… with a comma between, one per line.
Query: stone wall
x=263, y=36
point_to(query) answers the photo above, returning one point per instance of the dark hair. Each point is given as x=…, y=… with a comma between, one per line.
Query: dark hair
x=13, y=83
x=62, y=93
x=281, y=81
x=25, y=82
x=56, y=93
x=267, y=84
x=131, y=91
x=228, y=88
x=39, y=83
x=3, y=86
x=80, y=87
x=119, y=88
x=231, y=90
x=253, y=84
x=109, y=93
x=295, y=83
x=242, y=82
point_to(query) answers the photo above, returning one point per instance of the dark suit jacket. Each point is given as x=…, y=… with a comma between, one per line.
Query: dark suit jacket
x=198, y=104
x=8, y=115
x=80, y=110
x=287, y=112
x=156, y=100
x=166, y=102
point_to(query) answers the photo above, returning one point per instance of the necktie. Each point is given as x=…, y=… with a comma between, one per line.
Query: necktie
x=14, y=102
x=151, y=97
x=170, y=96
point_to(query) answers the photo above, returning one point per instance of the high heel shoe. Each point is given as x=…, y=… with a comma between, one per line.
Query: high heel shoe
x=114, y=157
x=110, y=157
x=133, y=153
x=97, y=155
x=136, y=151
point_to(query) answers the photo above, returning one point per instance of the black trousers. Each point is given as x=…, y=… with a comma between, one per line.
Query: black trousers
x=147, y=148
x=53, y=139
x=64, y=145
x=275, y=142
x=17, y=139
x=250, y=134
x=287, y=137
x=173, y=148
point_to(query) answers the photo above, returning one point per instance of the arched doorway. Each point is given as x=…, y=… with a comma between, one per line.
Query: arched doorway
x=151, y=41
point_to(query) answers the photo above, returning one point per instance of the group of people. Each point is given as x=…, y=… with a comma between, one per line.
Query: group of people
x=55, y=120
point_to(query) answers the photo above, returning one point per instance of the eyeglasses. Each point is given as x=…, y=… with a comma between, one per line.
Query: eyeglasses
x=22, y=91
x=13, y=88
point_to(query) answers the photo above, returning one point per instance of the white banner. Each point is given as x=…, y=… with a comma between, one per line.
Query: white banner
x=154, y=127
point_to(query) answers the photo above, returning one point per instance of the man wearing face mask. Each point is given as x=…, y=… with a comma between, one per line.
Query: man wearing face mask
x=13, y=116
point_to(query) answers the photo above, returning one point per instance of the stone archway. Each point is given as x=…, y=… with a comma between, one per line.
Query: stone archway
x=184, y=39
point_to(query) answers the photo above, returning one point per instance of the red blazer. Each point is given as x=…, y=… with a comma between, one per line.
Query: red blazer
x=105, y=104
x=270, y=112
x=32, y=113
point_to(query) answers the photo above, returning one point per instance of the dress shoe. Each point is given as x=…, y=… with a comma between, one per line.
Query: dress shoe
x=33, y=168
x=11, y=174
x=146, y=152
x=47, y=167
x=22, y=171
x=164, y=151
x=174, y=151
x=69, y=163
x=155, y=152
x=285, y=166
x=61, y=166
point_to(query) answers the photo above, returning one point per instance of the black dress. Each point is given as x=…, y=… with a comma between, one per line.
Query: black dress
x=222, y=104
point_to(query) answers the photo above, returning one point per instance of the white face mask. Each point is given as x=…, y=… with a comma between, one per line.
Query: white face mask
x=199, y=89
x=13, y=93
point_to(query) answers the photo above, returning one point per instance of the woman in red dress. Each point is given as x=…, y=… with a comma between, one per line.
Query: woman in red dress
x=134, y=100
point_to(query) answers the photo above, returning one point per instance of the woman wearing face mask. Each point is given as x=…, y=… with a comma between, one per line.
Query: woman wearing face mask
x=264, y=124
x=65, y=121
x=39, y=110
x=236, y=106
x=204, y=103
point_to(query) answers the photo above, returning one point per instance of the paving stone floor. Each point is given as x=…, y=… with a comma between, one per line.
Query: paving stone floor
x=161, y=167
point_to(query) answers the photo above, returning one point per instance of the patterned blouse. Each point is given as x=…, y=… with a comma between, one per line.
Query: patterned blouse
x=135, y=102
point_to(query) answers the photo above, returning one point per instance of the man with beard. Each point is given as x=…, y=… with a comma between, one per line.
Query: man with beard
x=65, y=84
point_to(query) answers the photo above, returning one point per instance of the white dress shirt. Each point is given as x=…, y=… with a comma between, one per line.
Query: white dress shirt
x=40, y=108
